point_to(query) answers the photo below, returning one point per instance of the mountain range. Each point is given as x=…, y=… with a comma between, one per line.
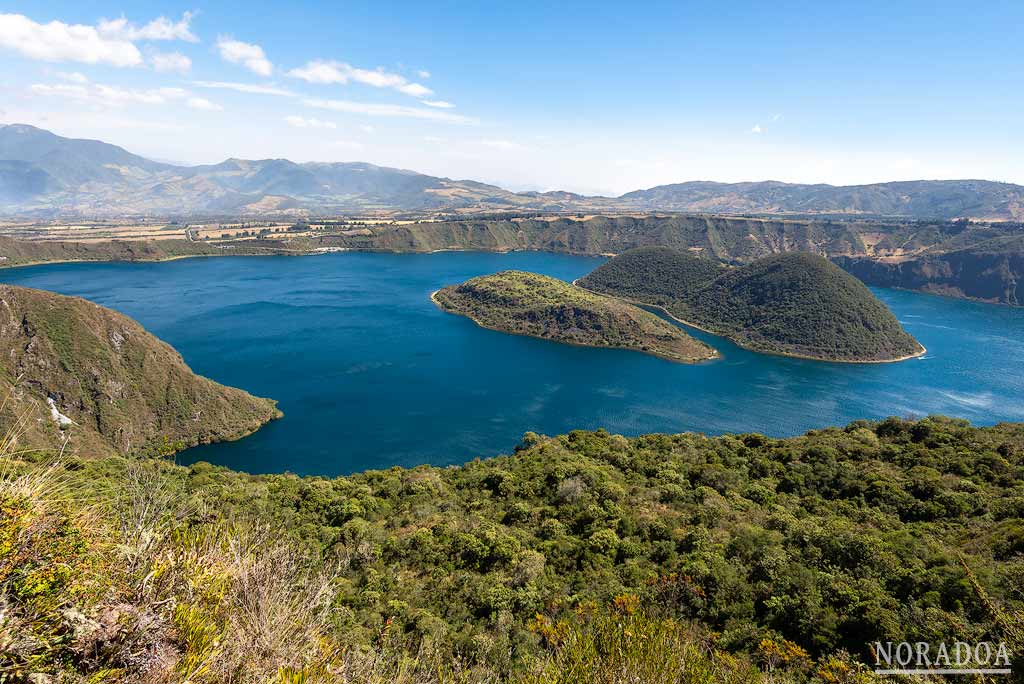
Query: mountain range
x=43, y=174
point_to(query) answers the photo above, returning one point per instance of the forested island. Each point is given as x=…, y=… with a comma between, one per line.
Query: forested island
x=540, y=306
x=796, y=304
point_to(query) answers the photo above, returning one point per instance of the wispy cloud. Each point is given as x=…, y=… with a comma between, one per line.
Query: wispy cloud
x=60, y=42
x=171, y=61
x=102, y=95
x=757, y=129
x=440, y=104
x=423, y=73
x=507, y=145
x=160, y=28
x=72, y=76
x=390, y=110
x=325, y=72
x=303, y=122
x=202, y=104
x=252, y=88
x=249, y=55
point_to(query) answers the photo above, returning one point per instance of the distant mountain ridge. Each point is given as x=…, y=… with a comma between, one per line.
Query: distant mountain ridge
x=978, y=199
x=45, y=174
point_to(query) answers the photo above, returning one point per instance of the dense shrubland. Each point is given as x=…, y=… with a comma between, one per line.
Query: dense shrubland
x=584, y=557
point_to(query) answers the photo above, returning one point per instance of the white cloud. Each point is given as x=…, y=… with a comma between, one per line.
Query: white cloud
x=324, y=72
x=171, y=61
x=202, y=104
x=757, y=129
x=423, y=73
x=350, y=144
x=253, y=88
x=249, y=55
x=415, y=90
x=302, y=122
x=440, y=104
x=366, y=128
x=389, y=110
x=776, y=117
x=60, y=42
x=160, y=28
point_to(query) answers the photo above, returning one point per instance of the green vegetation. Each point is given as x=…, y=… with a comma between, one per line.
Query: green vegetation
x=655, y=275
x=539, y=306
x=76, y=375
x=585, y=557
x=796, y=304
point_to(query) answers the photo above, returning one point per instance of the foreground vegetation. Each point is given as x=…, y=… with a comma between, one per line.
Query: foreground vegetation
x=585, y=557
x=797, y=304
x=540, y=306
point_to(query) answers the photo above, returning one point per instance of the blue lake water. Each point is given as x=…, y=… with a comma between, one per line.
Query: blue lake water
x=370, y=374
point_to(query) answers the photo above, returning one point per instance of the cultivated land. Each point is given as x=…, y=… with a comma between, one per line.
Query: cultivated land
x=75, y=375
x=795, y=304
x=539, y=306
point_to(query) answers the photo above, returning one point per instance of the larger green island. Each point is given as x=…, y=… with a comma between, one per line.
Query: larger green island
x=540, y=306
x=794, y=304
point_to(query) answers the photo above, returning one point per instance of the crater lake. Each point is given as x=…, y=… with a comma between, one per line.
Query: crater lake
x=370, y=373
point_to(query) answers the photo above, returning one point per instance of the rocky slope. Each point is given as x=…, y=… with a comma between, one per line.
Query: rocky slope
x=73, y=371
x=990, y=272
x=539, y=306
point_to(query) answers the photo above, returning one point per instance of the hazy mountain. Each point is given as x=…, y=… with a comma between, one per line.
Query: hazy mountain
x=920, y=199
x=45, y=174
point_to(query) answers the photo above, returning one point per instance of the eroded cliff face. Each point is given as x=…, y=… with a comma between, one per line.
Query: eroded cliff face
x=992, y=272
x=77, y=375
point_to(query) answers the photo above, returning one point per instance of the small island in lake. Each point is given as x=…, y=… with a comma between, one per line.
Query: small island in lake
x=524, y=303
x=794, y=304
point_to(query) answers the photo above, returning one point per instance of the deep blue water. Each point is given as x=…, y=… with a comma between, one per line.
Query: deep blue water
x=370, y=374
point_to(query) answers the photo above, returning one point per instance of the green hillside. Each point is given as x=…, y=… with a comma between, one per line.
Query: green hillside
x=539, y=306
x=586, y=557
x=653, y=274
x=796, y=304
x=79, y=373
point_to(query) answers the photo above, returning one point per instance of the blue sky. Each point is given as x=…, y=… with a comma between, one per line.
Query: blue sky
x=592, y=97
